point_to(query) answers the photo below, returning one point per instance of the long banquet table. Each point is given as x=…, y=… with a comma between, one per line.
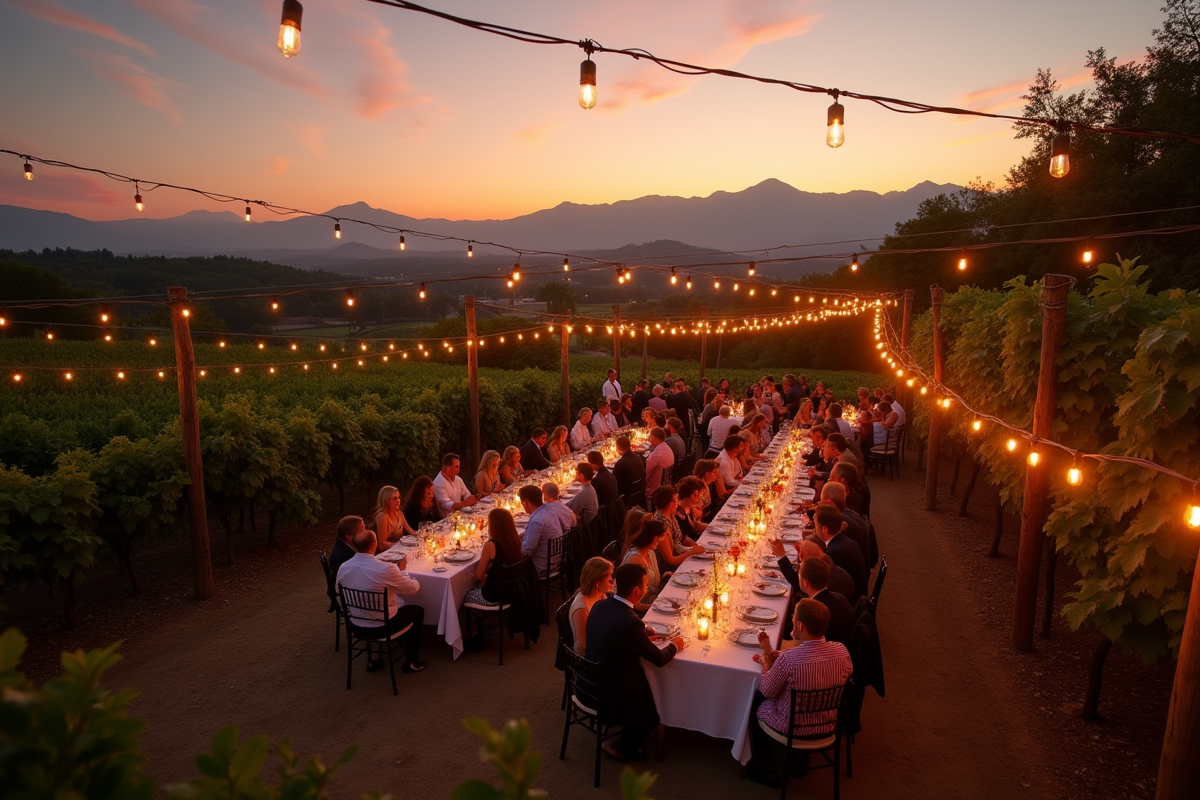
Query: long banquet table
x=709, y=686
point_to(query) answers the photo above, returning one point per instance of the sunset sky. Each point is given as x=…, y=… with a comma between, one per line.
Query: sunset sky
x=431, y=119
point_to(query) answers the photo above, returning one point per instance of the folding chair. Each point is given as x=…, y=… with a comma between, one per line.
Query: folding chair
x=368, y=606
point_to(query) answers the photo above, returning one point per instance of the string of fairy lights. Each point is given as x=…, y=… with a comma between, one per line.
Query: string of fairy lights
x=289, y=40
x=945, y=399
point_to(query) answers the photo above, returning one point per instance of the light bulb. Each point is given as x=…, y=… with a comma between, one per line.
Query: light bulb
x=28, y=171
x=422, y=292
x=716, y=284
x=750, y=270
x=688, y=285
x=1088, y=254
x=854, y=263
x=1060, y=155
x=137, y=202
x=516, y=273
x=470, y=251
x=1074, y=476
x=977, y=425
x=566, y=265
x=289, y=28
x=836, y=133
x=247, y=213
x=337, y=230
x=350, y=297
x=674, y=277
x=962, y=263
x=274, y=303
x=1034, y=458
x=1192, y=517
x=402, y=245
x=1011, y=444
x=587, y=84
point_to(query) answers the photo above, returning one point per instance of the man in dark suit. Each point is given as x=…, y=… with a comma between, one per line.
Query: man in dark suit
x=629, y=468
x=814, y=579
x=680, y=400
x=617, y=640
x=343, y=549
x=841, y=548
x=855, y=525
x=603, y=481
x=641, y=400
x=533, y=457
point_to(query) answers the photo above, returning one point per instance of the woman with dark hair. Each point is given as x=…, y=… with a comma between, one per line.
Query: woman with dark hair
x=723, y=386
x=643, y=550
x=502, y=548
x=714, y=487
x=624, y=414
x=420, y=506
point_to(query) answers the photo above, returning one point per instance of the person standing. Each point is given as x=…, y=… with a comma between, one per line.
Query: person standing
x=680, y=400
x=617, y=640
x=612, y=387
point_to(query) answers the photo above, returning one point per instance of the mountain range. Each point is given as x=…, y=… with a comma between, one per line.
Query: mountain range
x=769, y=214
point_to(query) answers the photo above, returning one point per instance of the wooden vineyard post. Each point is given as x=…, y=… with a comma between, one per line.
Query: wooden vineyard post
x=566, y=370
x=473, y=375
x=617, y=341
x=905, y=331
x=935, y=414
x=703, y=339
x=645, y=353
x=189, y=425
x=1179, y=765
x=1035, y=507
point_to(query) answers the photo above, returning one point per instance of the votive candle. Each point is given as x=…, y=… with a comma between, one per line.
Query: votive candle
x=702, y=628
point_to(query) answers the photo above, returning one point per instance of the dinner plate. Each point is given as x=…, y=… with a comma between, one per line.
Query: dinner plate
x=439, y=569
x=409, y=540
x=460, y=556
x=667, y=605
x=724, y=533
x=663, y=629
x=736, y=504
x=707, y=555
x=771, y=575
x=791, y=537
x=687, y=579
x=758, y=614
x=745, y=637
x=769, y=589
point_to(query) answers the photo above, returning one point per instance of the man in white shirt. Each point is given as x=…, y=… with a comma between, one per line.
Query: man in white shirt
x=367, y=574
x=612, y=387
x=581, y=434
x=449, y=491
x=719, y=427
x=835, y=417
x=604, y=424
x=727, y=461
x=545, y=523
x=660, y=458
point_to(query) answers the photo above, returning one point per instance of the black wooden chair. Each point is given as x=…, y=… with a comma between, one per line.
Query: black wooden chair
x=557, y=564
x=636, y=496
x=496, y=618
x=334, y=607
x=612, y=551
x=684, y=468
x=361, y=606
x=821, y=736
x=566, y=636
x=886, y=454
x=614, y=520
x=586, y=700
x=878, y=585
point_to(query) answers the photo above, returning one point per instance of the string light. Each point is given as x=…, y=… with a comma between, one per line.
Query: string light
x=137, y=198
x=750, y=270
x=247, y=212
x=337, y=230
x=1088, y=254
x=421, y=293
x=1034, y=458
x=289, y=28
x=349, y=299
x=104, y=314
x=977, y=425
x=516, y=271
x=402, y=244
x=28, y=171
x=962, y=261
x=470, y=251
x=1191, y=516
x=1074, y=475
x=835, y=134
x=1011, y=444
x=274, y=303
x=688, y=285
x=566, y=265
x=153, y=342
x=674, y=277
x=1060, y=154
x=69, y=376
x=854, y=263
x=587, y=80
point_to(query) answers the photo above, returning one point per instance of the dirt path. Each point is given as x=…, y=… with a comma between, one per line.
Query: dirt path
x=950, y=726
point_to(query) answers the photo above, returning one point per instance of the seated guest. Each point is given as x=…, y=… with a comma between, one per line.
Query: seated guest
x=675, y=548
x=658, y=461
x=558, y=509
x=713, y=400
x=835, y=416
x=718, y=427
x=603, y=481
x=897, y=409
x=656, y=399
x=848, y=476
x=649, y=417
x=343, y=545
x=675, y=438
x=603, y=424
x=727, y=461
x=558, y=446
x=544, y=524
x=715, y=493
x=690, y=512
x=389, y=521
x=814, y=583
x=420, y=506
x=841, y=548
x=623, y=411
x=581, y=434
x=629, y=468
x=533, y=456
x=813, y=663
x=839, y=580
x=885, y=419
x=595, y=581
x=854, y=525
x=487, y=479
x=804, y=417
x=839, y=447
x=502, y=548
x=643, y=550
x=617, y=640
x=585, y=504
x=367, y=574
x=511, y=470
x=449, y=491
x=630, y=528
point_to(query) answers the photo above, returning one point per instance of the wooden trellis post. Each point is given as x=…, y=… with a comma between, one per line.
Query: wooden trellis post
x=703, y=339
x=935, y=413
x=473, y=376
x=566, y=370
x=1179, y=765
x=617, y=341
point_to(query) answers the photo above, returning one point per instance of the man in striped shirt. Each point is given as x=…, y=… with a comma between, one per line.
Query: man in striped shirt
x=812, y=664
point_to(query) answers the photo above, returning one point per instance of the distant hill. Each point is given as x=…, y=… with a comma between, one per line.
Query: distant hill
x=769, y=214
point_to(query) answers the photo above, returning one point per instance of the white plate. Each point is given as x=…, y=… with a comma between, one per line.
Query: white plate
x=792, y=537
x=663, y=629
x=667, y=605
x=688, y=579
x=460, y=557
x=771, y=575
x=745, y=637
x=705, y=556
x=724, y=533
x=409, y=541
x=758, y=614
x=439, y=569
x=769, y=589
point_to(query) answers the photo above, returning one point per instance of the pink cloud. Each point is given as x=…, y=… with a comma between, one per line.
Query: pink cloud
x=49, y=11
x=144, y=86
x=1006, y=97
x=313, y=139
x=195, y=23
x=382, y=86
x=533, y=134
x=56, y=190
x=756, y=22
x=279, y=165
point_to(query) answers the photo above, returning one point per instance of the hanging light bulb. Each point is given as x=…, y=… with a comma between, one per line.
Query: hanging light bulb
x=350, y=297
x=1060, y=154
x=1192, y=517
x=1011, y=444
x=674, y=277
x=421, y=293
x=1074, y=475
x=854, y=263
x=289, y=28
x=835, y=135
x=402, y=245
x=1034, y=458
x=247, y=212
x=137, y=198
x=274, y=303
x=962, y=261
x=28, y=171
x=516, y=271
x=566, y=265
x=750, y=270
x=470, y=251
x=1088, y=254
x=104, y=316
x=587, y=81
x=688, y=285
x=716, y=284
x=337, y=230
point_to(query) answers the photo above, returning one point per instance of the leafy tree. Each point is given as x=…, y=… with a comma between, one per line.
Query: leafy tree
x=558, y=297
x=352, y=456
x=31, y=444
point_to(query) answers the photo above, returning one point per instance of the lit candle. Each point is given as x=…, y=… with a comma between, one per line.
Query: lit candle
x=702, y=628
x=741, y=570
x=708, y=605
x=731, y=568
x=724, y=598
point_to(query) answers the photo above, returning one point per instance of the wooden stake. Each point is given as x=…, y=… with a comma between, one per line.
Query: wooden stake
x=645, y=354
x=935, y=414
x=1179, y=766
x=473, y=375
x=189, y=424
x=1036, y=507
x=617, y=341
x=703, y=339
x=566, y=372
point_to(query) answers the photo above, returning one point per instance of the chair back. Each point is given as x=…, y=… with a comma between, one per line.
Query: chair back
x=554, y=553
x=587, y=676
x=566, y=636
x=614, y=519
x=330, y=583
x=612, y=551
x=361, y=606
x=636, y=496
x=814, y=712
x=878, y=584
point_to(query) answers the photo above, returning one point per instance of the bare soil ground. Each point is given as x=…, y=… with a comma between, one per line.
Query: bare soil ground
x=964, y=715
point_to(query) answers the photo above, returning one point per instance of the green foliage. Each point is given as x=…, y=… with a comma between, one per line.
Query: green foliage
x=558, y=297
x=31, y=444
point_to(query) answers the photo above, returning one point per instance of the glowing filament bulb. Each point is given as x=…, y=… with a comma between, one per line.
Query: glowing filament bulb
x=1011, y=444
x=1060, y=155
x=1074, y=476
x=28, y=171
x=674, y=277
x=289, y=28
x=1034, y=458
x=750, y=270
x=137, y=202
x=69, y=376
x=587, y=84
x=274, y=303
x=1192, y=517
x=835, y=134
x=350, y=297
x=977, y=425
x=247, y=213
x=854, y=263
x=962, y=263
x=402, y=245
x=337, y=230
x=1088, y=255
x=422, y=292
x=470, y=251
x=566, y=265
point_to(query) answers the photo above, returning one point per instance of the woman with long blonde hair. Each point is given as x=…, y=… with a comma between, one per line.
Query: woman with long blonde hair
x=595, y=581
x=389, y=522
x=487, y=479
x=511, y=470
x=557, y=446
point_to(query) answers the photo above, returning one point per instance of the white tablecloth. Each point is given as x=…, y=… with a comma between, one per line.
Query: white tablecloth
x=441, y=593
x=709, y=686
